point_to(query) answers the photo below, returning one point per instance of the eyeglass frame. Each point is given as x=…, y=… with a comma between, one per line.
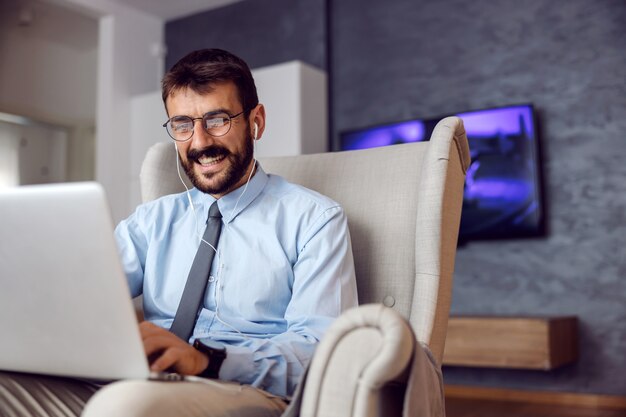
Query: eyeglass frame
x=193, y=120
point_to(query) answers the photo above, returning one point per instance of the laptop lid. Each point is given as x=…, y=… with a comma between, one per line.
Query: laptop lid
x=65, y=306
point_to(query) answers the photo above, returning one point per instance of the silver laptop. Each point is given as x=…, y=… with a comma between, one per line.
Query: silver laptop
x=65, y=306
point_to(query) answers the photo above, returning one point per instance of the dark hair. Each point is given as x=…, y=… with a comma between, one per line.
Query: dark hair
x=201, y=70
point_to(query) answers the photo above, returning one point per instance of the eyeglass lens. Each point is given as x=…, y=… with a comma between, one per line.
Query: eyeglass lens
x=180, y=128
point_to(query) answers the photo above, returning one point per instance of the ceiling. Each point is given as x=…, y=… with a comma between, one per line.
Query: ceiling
x=168, y=9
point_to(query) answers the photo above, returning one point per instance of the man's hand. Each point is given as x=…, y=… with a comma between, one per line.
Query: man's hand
x=170, y=351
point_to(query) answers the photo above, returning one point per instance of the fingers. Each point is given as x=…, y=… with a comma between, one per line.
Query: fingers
x=154, y=344
x=186, y=361
x=168, y=359
x=166, y=350
x=156, y=338
x=147, y=328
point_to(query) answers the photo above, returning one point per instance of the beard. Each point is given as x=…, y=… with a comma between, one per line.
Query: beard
x=221, y=182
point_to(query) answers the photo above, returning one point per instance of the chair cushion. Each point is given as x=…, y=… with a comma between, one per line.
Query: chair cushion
x=378, y=190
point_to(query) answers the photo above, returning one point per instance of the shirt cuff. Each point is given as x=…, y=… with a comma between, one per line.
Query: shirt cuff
x=238, y=365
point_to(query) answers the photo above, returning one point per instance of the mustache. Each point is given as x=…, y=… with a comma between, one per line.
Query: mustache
x=213, y=151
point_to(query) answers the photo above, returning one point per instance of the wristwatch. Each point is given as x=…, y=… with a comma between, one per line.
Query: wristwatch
x=216, y=353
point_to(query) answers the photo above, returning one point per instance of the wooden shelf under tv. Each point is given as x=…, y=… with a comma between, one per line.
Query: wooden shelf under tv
x=541, y=343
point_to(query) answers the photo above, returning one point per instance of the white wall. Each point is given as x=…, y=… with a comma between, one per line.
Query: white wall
x=294, y=95
x=147, y=117
x=32, y=154
x=129, y=64
x=9, y=155
x=43, y=154
x=127, y=68
x=48, y=67
x=81, y=153
x=48, y=72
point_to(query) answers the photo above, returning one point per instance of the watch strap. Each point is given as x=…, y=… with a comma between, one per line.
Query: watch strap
x=216, y=358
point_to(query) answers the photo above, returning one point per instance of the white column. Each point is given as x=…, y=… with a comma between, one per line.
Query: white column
x=295, y=98
x=129, y=63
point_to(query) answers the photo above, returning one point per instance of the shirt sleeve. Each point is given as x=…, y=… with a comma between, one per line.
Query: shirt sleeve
x=132, y=247
x=324, y=286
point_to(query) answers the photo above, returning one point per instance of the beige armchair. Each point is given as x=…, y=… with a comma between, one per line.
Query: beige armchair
x=403, y=205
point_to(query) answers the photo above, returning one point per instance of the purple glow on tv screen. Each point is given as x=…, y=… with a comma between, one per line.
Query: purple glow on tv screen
x=502, y=196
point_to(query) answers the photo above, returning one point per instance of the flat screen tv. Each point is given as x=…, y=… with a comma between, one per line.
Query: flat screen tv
x=503, y=186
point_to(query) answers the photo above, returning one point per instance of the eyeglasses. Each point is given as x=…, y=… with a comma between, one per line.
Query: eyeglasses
x=180, y=128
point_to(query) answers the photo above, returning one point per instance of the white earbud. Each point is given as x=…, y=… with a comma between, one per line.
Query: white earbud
x=256, y=131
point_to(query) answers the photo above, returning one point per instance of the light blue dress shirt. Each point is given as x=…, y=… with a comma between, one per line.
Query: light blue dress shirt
x=283, y=272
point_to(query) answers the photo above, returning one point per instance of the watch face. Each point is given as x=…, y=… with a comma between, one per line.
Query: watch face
x=216, y=353
x=212, y=344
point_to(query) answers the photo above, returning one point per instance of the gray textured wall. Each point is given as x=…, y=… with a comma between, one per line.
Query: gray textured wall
x=397, y=59
x=262, y=32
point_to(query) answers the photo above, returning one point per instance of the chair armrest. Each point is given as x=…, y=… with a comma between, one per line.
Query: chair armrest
x=361, y=365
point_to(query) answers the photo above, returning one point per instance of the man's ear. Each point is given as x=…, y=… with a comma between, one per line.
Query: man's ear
x=258, y=121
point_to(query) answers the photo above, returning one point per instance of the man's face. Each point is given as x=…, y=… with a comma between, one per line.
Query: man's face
x=215, y=165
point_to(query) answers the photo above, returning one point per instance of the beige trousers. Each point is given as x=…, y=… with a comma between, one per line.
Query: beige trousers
x=44, y=396
x=183, y=399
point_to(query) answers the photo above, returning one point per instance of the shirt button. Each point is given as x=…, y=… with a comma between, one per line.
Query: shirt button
x=211, y=278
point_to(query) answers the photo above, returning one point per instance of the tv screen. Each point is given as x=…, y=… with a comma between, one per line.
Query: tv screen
x=503, y=190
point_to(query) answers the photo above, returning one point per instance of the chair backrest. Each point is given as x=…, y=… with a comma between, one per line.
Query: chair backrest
x=403, y=205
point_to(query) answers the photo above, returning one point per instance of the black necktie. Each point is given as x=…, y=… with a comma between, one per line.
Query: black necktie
x=193, y=294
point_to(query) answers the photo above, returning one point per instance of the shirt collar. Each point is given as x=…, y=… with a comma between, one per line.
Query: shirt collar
x=237, y=200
